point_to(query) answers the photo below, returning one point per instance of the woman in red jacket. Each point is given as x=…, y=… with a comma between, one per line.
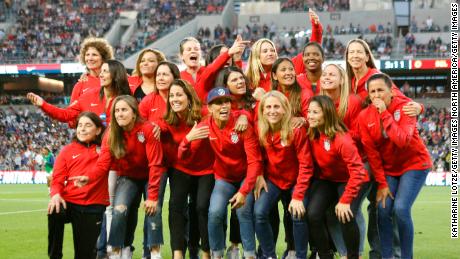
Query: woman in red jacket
x=153, y=106
x=263, y=55
x=94, y=52
x=192, y=176
x=399, y=161
x=313, y=59
x=284, y=80
x=84, y=207
x=338, y=177
x=142, y=80
x=237, y=163
x=286, y=181
x=335, y=85
x=238, y=85
x=131, y=149
x=205, y=78
x=114, y=82
x=361, y=65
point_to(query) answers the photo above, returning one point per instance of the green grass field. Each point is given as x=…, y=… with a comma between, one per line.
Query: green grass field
x=23, y=225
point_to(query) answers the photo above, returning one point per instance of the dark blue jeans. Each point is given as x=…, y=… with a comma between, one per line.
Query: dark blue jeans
x=262, y=208
x=405, y=189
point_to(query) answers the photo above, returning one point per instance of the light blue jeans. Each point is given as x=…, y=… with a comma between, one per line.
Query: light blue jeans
x=223, y=191
x=405, y=190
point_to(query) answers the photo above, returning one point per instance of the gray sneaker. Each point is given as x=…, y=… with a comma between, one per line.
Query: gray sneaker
x=290, y=255
x=233, y=252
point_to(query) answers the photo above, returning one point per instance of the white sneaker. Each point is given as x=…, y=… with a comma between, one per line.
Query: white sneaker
x=291, y=255
x=126, y=253
x=233, y=252
x=115, y=256
x=155, y=255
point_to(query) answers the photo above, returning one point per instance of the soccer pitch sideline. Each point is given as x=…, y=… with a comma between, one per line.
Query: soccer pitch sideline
x=23, y=225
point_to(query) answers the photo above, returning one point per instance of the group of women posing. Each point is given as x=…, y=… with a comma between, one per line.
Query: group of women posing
x=318, y=139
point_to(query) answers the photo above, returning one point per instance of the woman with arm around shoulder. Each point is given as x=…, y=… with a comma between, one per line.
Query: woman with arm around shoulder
x=339, y=176
x=282, y=142
x=114, y=82
x=398, y=158
x=142, y=80
x=84, y=207
x=132, y=150
x=361, y=65
x=192, y=176
x=237, y=163
x=94, y=52
x=153, y=106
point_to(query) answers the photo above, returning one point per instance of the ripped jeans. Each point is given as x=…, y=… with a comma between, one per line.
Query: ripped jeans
x=128, y=194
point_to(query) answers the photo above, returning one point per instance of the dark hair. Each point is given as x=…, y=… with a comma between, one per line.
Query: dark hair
x=295, y=90
x=172, y=67
x=316, y=44
x=213, y=53
x=194, y=105
x=386, y=79
x=332, y=123
x=247, y=97
x=96, y=120
x=120, y=85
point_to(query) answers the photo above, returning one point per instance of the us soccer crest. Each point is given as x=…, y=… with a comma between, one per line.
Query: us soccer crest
x=327, y=145
x=141, y=137
x=234, y=138
x=98, y=150
x=397, y=115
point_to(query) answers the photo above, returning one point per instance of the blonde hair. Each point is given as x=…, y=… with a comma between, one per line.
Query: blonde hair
x=370, y=63
x=286, y=130
x=344, y=91
x=100, y=44
x=159, y=55
x=254, y=65
x=116, y=140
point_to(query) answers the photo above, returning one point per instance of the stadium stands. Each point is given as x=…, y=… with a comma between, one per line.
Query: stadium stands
x=161, y=17
x=23, y=131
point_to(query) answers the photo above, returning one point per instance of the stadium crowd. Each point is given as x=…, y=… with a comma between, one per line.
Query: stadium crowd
x=285, y=130
x=161, y=17
x=53, y=32
x=24, y=131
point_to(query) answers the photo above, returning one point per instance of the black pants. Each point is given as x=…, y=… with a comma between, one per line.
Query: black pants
x=86, y=226
x=182, y=185
x=325, y=194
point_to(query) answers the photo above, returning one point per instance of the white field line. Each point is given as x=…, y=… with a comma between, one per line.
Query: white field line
x=20, y=212
x=23, y=200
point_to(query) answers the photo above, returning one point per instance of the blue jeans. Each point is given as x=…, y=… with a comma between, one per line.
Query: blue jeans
x=262, y=208
x=222, y=192
x=405, y=190
x=128, y=194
